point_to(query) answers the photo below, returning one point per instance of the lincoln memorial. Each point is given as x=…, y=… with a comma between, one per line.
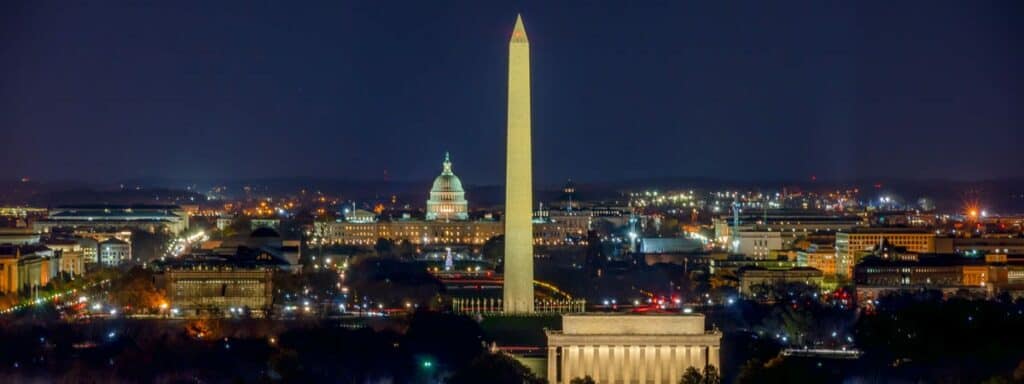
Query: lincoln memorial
x=630, y=348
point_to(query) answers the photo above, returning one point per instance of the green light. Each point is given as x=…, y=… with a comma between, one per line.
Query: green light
x=428, y=364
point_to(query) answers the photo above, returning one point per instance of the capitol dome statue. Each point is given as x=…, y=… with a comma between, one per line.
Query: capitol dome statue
x=447, y=199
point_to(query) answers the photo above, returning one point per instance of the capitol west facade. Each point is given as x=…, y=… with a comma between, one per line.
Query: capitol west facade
x=447, y=198
x=446, y=222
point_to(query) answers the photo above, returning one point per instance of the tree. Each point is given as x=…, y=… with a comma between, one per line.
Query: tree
x=209, y=329
x=447, y=341
x=136, y=290
x=290, y=228
x=406, y=250
x=595, y=258
x=751, y=372
x=670, y=227
x=494, y=249
x=997, y=380
x=241, y=226
x=147, y=246
x=393, y=282
x=780, y=291
x=7, y=301
x=384, y=247
x=583, y=380
x=711, y=375
x=1018, y=373
x=693, y=376
x=722, y=279
x=604, y=227
x=285, y=283
x=495, y=368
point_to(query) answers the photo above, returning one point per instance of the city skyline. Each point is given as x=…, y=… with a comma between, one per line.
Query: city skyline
x=638, y=192
x=735, y=94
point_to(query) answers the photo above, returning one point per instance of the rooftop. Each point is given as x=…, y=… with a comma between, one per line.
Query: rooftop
x=114, y=240
x=119, y=206
x=924, y=260
x=633, y=324
x=242, y=258
x=8, y=250
x=896, y=230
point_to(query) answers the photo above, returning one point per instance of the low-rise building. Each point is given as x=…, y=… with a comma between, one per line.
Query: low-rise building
x=90, y=249
x=789, y=223
x=263, y=239
x=754, y=276
x=101, y=218
x=818, y=256
x=423, y=232
x=18, y=236
x=21, y=212
x=211, y=284
x=71, y=256
x=732, y=264
x=758, y=244
x=669, y=245
x=980, y=246
x=258, y=223
x=26, y=267
x=114, y=251
x=949, y=273
x=216, y=290
x=852, y=245
x=929, y=272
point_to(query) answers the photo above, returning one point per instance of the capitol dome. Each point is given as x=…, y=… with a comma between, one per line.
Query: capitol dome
x=447, y=198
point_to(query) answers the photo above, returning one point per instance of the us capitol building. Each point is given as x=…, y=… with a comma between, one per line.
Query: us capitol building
x=447, y=199
x=447, y=222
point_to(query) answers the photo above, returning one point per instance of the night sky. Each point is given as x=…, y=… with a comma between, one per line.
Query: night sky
x=108, y=90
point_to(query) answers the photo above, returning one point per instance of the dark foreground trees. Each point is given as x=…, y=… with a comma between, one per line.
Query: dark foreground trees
x=911, y=336
x=427, y=345
x=709, y=375
x=495, y=368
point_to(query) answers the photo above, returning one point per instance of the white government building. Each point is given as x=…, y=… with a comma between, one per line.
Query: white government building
x=627, y=348
x=447, y=198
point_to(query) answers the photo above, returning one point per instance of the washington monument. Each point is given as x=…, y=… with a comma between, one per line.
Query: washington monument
x=518, y=288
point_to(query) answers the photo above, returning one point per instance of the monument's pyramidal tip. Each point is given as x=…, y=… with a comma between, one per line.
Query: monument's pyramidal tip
x=519, y=32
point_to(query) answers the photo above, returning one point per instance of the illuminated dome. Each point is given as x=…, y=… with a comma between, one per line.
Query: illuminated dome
x=447, y=199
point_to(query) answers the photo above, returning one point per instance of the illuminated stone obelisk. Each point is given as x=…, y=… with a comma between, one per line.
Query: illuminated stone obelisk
x=518, y=290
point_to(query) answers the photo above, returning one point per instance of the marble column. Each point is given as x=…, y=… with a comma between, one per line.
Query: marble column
x=644, y=363
x=673, y=365
x=581, y=367
x=572, y=358
x=612, y=361
x=697, y=357
x=618, y=362
x=552, y=363
x=713, y=356
x=591, y=359
x=658, y=376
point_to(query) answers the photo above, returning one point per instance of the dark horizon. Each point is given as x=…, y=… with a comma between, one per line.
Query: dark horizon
x=1003, y=196
x=755, y=92
x=638, y=182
